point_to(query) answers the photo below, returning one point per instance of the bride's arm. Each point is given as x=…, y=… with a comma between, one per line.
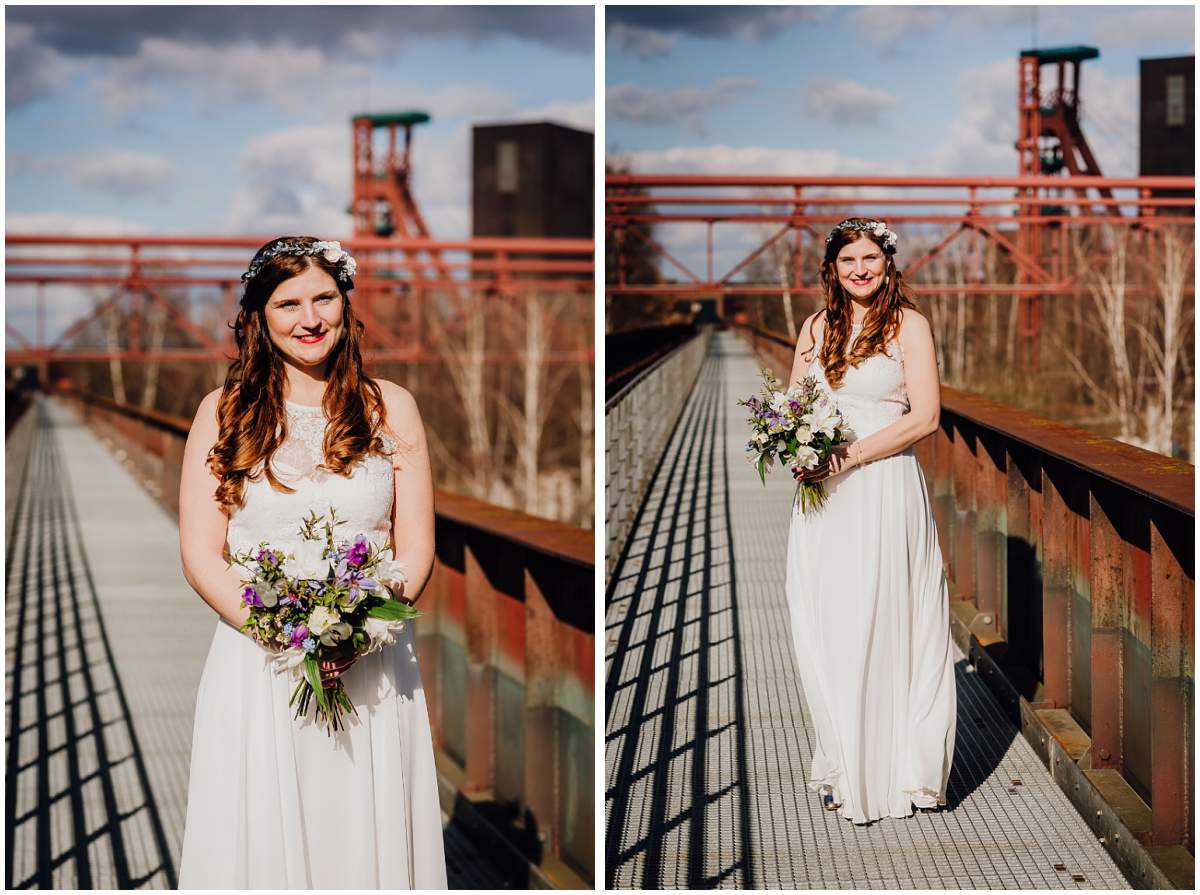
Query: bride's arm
x=924, y=397
x=412, y=509
x=203, y=525
x=810, y=331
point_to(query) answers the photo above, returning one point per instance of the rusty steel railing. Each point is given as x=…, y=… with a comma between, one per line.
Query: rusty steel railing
x=1072, y=569
x=638, y=420
x=506, y=647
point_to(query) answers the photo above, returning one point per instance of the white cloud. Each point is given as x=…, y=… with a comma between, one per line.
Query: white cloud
x=32, y=70
x=579, y=114
x=122, y=173
x=721, y=159
x=892, y=24
x=295, y=181
x=1130, y=28
x=980, y=137
x=72, y=223
x=685, y=105
x=644, y=42
x=847, y=102
x=290, y=77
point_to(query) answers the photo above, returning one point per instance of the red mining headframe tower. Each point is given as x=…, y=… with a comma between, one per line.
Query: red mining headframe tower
x=1050, y=141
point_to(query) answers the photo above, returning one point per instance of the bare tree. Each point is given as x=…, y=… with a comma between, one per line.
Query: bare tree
x=1166, y=335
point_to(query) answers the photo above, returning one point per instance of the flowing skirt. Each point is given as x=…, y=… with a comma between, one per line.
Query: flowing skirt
x=274, y=802
x=869, y=609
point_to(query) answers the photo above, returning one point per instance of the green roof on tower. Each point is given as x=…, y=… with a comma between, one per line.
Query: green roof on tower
x=383, y=119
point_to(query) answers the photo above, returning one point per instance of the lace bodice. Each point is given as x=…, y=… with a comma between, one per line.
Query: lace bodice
x=872, y=394
x=363, y=500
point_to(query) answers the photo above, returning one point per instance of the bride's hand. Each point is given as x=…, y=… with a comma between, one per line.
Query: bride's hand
x=332, y=669
x=837, y=463
x=816, y=474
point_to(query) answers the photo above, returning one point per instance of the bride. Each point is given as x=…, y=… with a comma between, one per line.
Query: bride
x=866, y=587
x=273, y=802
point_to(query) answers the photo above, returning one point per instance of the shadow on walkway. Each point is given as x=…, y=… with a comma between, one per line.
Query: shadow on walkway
x=677, y=806
x=79, y=811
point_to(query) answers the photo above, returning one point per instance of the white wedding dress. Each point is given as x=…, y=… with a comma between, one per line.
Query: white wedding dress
x=869, y=609
x=274, y=802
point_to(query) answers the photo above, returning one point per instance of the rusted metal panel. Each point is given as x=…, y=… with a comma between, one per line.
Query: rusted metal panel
x=963, y=469
x=1172, y=556
x=991, y=506
x=1111, y=576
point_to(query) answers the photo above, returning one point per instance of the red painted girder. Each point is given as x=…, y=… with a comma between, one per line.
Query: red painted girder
x=666, y=199
x=689, y=180
x=516, y=244
x=765, y=218
x=710, y=290
x=515, y=284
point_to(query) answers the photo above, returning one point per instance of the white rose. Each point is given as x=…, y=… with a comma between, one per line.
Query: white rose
x=803, y=434
x=332, y=251
x=806, y=457
x=879, y=230
x=321, y=620
x=306, y=562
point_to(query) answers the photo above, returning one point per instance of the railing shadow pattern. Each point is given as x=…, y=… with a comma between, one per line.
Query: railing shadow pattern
x=676, y=801
x=76, y=781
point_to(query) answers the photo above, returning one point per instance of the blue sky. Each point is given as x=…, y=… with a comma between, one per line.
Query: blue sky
x=887, y=90
x=237, y=120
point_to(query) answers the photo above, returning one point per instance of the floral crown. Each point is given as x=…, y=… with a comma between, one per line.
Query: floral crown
x=329, y=250
x=878, y=229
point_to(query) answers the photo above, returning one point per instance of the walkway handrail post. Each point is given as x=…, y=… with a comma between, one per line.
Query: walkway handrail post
x=638, y=420
x=506, y=647
x=1073, y=554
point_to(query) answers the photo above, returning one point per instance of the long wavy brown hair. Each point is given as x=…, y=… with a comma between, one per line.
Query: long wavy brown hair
x=881, y=324
x=250, y=412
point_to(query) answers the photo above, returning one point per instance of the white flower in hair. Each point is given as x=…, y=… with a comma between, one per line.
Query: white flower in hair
x=880, y=229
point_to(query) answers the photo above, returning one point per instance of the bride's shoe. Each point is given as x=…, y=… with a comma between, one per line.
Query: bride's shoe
x=828, y=802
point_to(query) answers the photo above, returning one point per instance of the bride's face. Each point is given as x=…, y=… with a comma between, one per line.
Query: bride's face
x=304, y=317
x=860, y=267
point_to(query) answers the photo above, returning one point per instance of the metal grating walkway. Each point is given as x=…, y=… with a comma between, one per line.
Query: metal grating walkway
x=708, y=741
x=104, y=646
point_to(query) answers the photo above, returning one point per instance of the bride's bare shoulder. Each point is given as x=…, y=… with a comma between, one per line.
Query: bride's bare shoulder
x=811, y=331
x=400, y=406
x=914, y=325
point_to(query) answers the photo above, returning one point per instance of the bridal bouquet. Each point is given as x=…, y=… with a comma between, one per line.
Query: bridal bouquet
x=325, y=601
x=800, y=426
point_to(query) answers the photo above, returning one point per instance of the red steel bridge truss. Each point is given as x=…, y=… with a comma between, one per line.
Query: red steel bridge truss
x=61, y=290
x=1032, y=220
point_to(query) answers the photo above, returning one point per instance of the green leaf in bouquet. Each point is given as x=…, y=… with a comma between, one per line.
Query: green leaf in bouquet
x=392, y=611
x=312, y=672
x=761, y=465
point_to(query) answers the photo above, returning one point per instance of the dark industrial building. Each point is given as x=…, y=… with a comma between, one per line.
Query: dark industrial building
x=1167, y=135
x=532, y=180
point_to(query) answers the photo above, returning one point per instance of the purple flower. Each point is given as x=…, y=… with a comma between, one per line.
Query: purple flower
x=250, y=596
x=357, y=555
x=299, y=635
